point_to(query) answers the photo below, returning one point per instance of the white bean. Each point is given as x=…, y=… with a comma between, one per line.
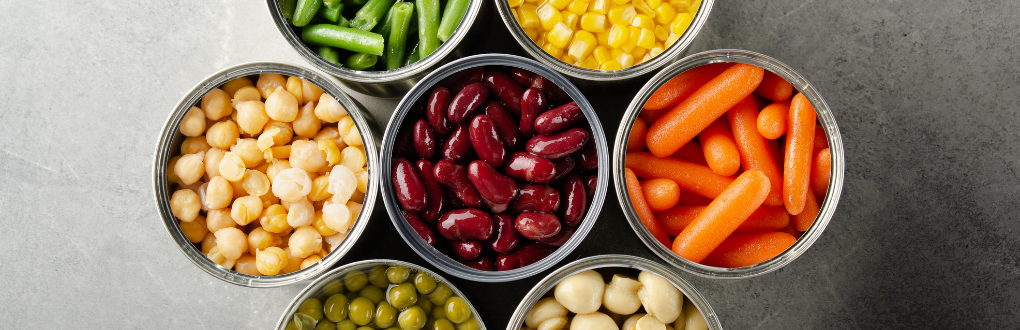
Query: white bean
x=581, y=293
x=659, y=297
x=593, y=321
x=544, y=309
x=621, y=295
x=649, y=322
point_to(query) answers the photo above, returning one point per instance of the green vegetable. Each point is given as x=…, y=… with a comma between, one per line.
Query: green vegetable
x=457, y=310
x=424, y=283
x=443, y=324
x=384, y=29
x=403, y=296
x=385, y=315
x=335, y=308
x=312, y=308
x=370, y=14
x=362, y=311
x=346, y=325
x=332, y=3
x=412, y=319
x=325, y=325
x=395, y=49
x=428, y=26
x=398, y=274
x=287, y=9
x=358, y=2
x=377, y=276
x=354, y=281
x=305, y=11
x=353, y=40
x=411, y=58
x=440, y=294
x=452, y=15
x=362, y=61
x=331, y=14
x=329, y=54
x=373, y=293
x=343, y=22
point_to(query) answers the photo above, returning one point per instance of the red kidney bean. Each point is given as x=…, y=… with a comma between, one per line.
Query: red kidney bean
x=506, y=89
x=466, y=102
x=575, y=199
x=559, y=239
x=456, y=178
x=559, y=118
x=588, y=156
x=527, y=254
x=522, y=76
x=497, y=208
x=564, y=167
x=533, y=104
x=525, y=166
x=554, y=92
x=454, y=201
x=557, y=145
x=492, y=185
x=485, y=139
x=536, y=198
x=420, y=227
x=506, y=124
x=434, y=190
x=408, y=186
x=591, y=183
x=465, y=224
x=439, y=103
x=424, y=140
x=536, y=225
x=467, y=250
x=506, y=237
x=458, y=80
x=458, y=145
x=483, y=262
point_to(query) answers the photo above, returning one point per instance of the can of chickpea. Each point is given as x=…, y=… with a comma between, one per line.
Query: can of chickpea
x=265, y=175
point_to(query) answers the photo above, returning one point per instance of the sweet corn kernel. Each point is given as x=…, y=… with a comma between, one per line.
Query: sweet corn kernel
x=621, y=14
x=694, y=7
x=601, y=54
x=559, y=35
x=514, y=3
x=642, y=21
x=618, y=36
x=542, y=41
x=672, y=39
x=610, y=66
x=532, y=33
x=532, y=1
x=655, y=51
x=593, y=22
x=638, y=52
x=571, y=20
x=559, y=4
x=529, y=16
x=621, y=2
x=552, y=50
x=626, y=60
x=548, y=16
x=616, y=53
x=603, y=38
x=632, y=40
x=578, y=7
x=661, y=33
x=646, y=39
x=582, y=45
x=643, y=7
x=598, y=6
x=644, y=59
x=589, y=63
x=664, y=14
x=654, y=3
x=680, y=5
x=680, y=23
x=566, y=58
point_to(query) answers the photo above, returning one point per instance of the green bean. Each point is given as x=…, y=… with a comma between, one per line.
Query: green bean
x=428, y=25
x=331, y=13
x=384, y=29
x=361, y=61
x=287, y=9
x=358, y=2
x=413, y=57
x=343, y=22
x=370, y=14
x=305, y=11
x=397, y=46
x=332, y=3
x=344, y=38
x=452, y=15
x=329, y=54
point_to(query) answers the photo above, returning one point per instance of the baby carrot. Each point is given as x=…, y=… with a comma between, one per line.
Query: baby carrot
x=689, y=176
x=674, y=220
x=636, y=141
x=774, y=87
x=797, y=163
x=792, y=230
x=821, y=142
x=722, y=216
x=705, y=105
x=719, y=148
x=691, y=199
x=820, y=173
x=683, y=85
x=650, y=116
x=772, y=120
x=754, y=151
x=691, y=152
x=765, y=218
x=641, y=207
x=661, y=194
x=777, y=154
x=803, y=220
x=749, y=249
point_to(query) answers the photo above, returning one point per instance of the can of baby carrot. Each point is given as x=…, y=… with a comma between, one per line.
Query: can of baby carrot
x=729, y=164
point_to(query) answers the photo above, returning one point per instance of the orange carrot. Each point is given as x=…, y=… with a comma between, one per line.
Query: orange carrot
x=772, y=120
x=636, y=141
x=691, y=199
x=749, y=249
x=765, y=218
x=689, y=176
x=708, y=103
x=803, y=220
x=821, y=142
x=792, y=230
x=691, y=152
x=637, y=198
x=777, y=154
x=719, y=148
x=650, y=116
x=754, y=150
x=661, y=194
x=722, y=216
x=797, y=163
x=820, y=169
x=683, y=85
x=774, y=87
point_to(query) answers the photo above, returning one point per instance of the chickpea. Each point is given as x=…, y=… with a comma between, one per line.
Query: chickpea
x=218, y=193
x=353, y=138
x=213, y=156
x=251, y=116
x=332, y=152
x=271, y=261
x=232, y=86
x=232, y=167
x=319, y=192
x=246, y=94
x=222, y=134
x=193, y=123
x=307, y=124
x=275, y=167
x=337, y=217
x=660, y=297
x=307, y=156
x=285, y=134
x=260, y=239
x=331, y=134
x=581, y=293
x=362, y=181
x=355, y=208
x=631, y=321
x=216, y=104
x=335, y=240
x=309, y=91
x=269, y=200
x=293, y=262
x=215, y=256
x=311, y=260
x=208, y=242
x=274, y=219
x=238, y=188
x=189, y=168
x=304, y=242
x=293, y=86
x=219, y=219
x=342, y=184
x=292, y=184
x=195, y=230
x=321, y=226
x=255, y=183
x=300, y=213
x=194, y=145
x=246, y=209
x=357, y=196
x=232, y=242
x=249, y=152
x=170, y=166
x=185, y=204
x=268, y=82
x=344, y=126
x=329, y=109
x=282, y=105
x=246, y=264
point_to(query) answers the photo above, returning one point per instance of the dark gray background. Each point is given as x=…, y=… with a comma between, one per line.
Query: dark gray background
x=924, y=93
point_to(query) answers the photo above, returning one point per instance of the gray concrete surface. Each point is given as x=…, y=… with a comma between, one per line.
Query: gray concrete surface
x=925, y=94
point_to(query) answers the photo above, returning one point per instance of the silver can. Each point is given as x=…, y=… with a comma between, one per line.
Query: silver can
x=597, y=78
x=439, y=259
x=315, y=289
x=169, y=144
x=466, y=40
x=828, y=123
x=547, y=284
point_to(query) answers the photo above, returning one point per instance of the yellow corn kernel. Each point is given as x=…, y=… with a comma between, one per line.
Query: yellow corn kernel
x=514, y=3
x=582, y=45
x=559, y=35
x=552, y=50
x=529, y=16
x=638, y=52
x=621, y=14
x=603, y=37
x=625, y=60
x=680, y=5
x=601, y=54
x=695, y=4
x=566, y=58
x=613, y=54
x=532, y=33
x=610, y=66
x=680, y=23
x=653, y=3
x=571, y=20
x=644, y=59
x=542, y=41
x=548, y=16
x=643, y=7
x=672, y=39
x=655, y=51
x=621, y=2
x=642, y=21
x=632, y=40
x=578, y=7
x=593, y=22
x=598, y=6
x=589, y=63
x=618, y=36
x=647, y=39
x=532, y=1
x=559, y=4
x=664, y=14
x=661, y=33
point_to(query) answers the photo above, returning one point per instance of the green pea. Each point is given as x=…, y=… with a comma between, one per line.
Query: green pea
x=471, y=324
x=354, y=281
x=361, y=311
x=302, y=322
x=397, y=274
x=365, y=328
x=293, y=325
x=373, y=293
x=440, y=294
x=457, y=310
x=351, y=295
x=439, y=312
x=377, y=276
x=403, y=296
x=325, y=325
x=442, y=324
x=313, y=308
x=424, y=283
x=346, y=325
x=332, y=288
x=336, y=307
x=385, y=315
x=425, y=305
x=412, y=319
